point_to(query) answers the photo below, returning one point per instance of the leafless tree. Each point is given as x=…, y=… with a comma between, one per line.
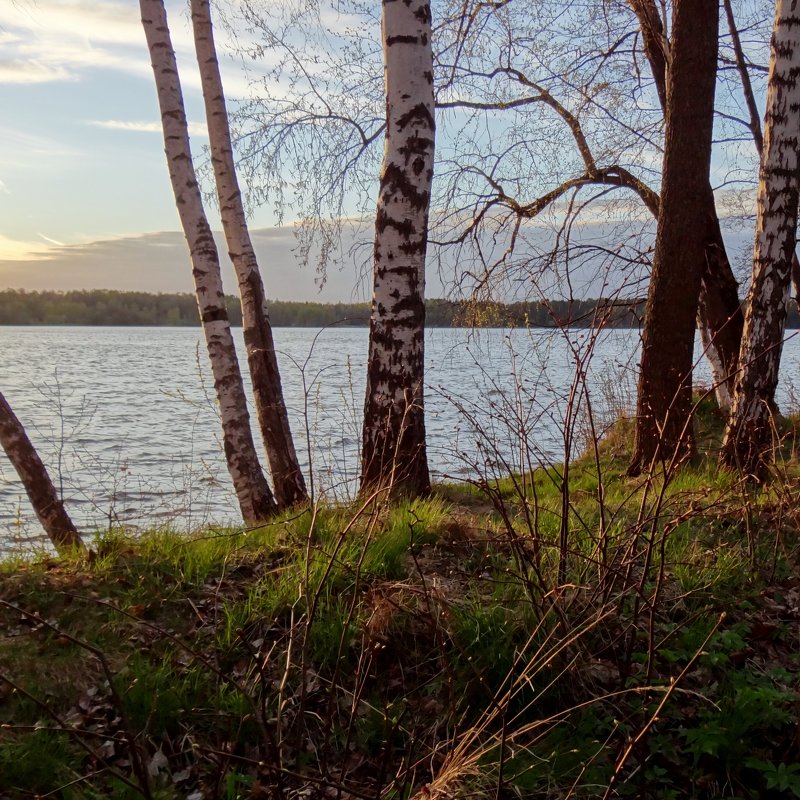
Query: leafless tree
x=663, y=412
x=393, y=451
x=517, y=135
x=273, y=418
x=748, y=436
x=545, y=110
x=550, y=116
x=253, y=492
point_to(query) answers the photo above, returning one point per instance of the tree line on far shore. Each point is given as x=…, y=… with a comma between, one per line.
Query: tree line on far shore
x=692, y=284
x=108, y=307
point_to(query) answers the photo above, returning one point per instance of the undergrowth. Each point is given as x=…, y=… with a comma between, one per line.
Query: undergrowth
x=541, y=636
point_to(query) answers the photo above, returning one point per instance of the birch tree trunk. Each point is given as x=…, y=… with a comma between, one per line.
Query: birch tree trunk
x=663, y=424
x=253, y=492
x=748, y=436
x=393, y=442
x=273, y=420
x=754, y=119
x=33, y=474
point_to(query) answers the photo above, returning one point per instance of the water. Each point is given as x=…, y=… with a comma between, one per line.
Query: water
x=125, y=420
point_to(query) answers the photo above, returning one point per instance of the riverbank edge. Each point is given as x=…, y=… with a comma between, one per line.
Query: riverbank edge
x=422, y=648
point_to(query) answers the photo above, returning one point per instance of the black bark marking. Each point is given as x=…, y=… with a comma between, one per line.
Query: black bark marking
x=417, y=145
x=404, y=227
x=423, y=14
x=412, y=248
x=395, y=181
x=419, y=112
x=218, y=314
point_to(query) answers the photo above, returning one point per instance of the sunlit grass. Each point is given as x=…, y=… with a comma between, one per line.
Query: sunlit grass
x=389, y=637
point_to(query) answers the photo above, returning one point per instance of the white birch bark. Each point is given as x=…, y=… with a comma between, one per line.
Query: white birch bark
x=253, y=493
x=40, y=490
x=748, y=436
x=271, y=411
x=393, y=441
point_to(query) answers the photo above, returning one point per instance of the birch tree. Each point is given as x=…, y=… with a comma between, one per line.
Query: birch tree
x=40, y=490
x=393, y=441
x=748, y=436
x=253, y=492
x=753, y=122
x=544, y=110
x=663, y=412
x=287, y=478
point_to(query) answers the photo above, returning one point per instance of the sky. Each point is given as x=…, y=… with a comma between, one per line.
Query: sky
x=85, y=199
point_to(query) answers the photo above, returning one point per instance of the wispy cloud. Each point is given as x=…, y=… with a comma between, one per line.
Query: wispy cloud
x=21, y=250
x=56, y=40
x=195, y=128
x=98, y=20
x=51, y=241
x=17, y=70
x=59, y=39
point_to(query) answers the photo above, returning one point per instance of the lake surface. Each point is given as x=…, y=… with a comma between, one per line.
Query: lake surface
x=125, y=418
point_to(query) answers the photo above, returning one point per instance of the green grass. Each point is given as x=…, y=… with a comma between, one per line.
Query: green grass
x=33, y=763
x=424, y=644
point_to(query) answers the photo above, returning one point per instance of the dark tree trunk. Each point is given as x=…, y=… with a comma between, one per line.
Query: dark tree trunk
x=663, y=428
x=748, y=438
x=654, y=44
x=719, y=310
x=393, y=451
x=33, y=474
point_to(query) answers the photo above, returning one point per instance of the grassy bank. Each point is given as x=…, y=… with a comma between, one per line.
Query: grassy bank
x=552, y=636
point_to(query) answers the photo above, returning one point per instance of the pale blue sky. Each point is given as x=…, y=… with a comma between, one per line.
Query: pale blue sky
x=72, y=73
x=85, y=200
x=84, y=192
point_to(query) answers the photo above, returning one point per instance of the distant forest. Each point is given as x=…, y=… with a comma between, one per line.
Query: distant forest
x=105, y=307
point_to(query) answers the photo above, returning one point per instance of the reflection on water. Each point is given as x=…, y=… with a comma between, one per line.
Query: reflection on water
x=125, y=419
